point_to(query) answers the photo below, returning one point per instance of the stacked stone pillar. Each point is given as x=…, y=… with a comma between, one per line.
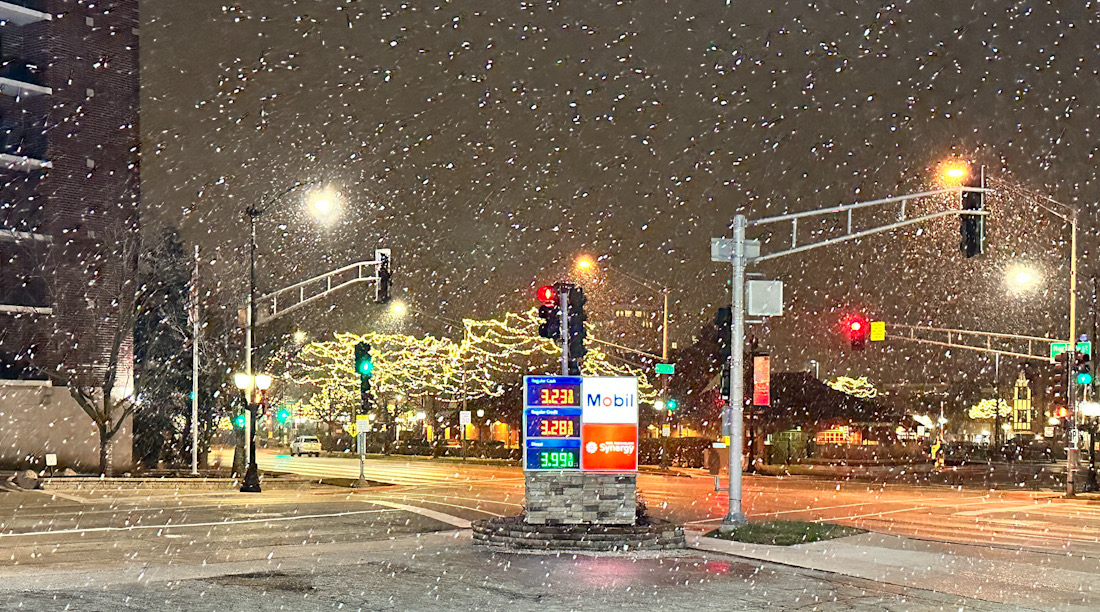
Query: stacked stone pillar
x=576, y=498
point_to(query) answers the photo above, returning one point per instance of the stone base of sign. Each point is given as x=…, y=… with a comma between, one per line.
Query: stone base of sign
x=513, y=532
x=574, y=498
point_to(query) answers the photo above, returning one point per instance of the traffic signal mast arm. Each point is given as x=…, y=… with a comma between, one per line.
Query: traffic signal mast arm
x=299, y=294
x=1037, y=348
x=849, y=208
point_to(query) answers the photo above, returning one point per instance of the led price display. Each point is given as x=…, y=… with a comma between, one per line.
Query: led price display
x=554, y=391
x=564, y=459
x=553, y=425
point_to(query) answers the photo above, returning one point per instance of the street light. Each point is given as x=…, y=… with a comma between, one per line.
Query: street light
x=954, y=172
x=251, y=482
x=1020, y=278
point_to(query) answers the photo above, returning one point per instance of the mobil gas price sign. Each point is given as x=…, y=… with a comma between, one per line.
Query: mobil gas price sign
x=580, y=423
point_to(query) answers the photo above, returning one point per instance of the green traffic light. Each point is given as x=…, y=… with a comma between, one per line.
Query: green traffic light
x=282, y=415
x=1084, y=378
x=671, y=405
x=239, y=421
x=365, y=367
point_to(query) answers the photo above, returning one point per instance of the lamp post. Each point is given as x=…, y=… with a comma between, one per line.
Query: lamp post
x=251, y=482
x=1068, y=214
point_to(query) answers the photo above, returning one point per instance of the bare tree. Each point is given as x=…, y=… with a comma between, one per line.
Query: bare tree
x=98, y=367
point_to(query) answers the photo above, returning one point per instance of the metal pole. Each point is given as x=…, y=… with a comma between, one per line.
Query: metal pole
x=195, y=367
x=251, y=482
x=736, y=407
x=1071, y=391
x=563, y=302
x=996, y=404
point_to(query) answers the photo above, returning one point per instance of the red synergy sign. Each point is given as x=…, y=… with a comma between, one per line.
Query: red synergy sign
x=609, y=447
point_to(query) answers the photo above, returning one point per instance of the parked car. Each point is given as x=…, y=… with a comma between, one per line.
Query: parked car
x=305, y=445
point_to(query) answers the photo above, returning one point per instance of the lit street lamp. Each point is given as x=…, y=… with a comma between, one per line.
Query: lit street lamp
x=251, y=482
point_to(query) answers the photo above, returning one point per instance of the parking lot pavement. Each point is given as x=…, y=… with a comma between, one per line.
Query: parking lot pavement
x=445, y=571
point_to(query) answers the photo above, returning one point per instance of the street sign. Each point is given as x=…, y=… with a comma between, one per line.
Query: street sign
x=764, y=298
x=51, y=460
x=465, y=417
x=665, y=368
x=761, y=381
x=721, y=249
x=361, y=443
x=878, y=331
x=1057, y=348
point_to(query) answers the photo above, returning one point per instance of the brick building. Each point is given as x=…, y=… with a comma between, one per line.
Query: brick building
x=69, y=191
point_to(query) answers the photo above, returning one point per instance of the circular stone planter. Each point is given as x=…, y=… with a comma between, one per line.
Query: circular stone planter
x=511, y=532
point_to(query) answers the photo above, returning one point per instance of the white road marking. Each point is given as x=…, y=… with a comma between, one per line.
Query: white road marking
x=454, y=521
x=270, y=519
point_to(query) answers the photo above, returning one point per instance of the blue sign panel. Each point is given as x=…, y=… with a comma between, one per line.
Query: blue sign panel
x=563, y=454
x=553, y=391
x=552, y=422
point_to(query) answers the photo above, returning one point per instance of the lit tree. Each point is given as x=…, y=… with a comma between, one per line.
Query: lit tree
x=491, y=352
x=856, y=387
x=983, y=410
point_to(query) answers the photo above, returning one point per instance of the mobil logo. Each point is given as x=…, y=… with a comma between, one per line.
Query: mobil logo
x=609, y=399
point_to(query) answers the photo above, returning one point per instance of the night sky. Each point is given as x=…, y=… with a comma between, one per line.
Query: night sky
x=490, y=142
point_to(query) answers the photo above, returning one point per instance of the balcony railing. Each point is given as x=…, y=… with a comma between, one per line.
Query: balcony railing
x=22, y=12
x=21, y=78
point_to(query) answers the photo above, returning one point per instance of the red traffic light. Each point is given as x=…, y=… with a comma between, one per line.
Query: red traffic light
x=547, y=295
x=855, y=326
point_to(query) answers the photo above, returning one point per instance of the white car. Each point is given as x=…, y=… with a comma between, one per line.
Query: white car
x=305, y=445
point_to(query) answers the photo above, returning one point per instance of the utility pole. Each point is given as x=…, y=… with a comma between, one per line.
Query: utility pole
x=195, y=367
x=563, y=303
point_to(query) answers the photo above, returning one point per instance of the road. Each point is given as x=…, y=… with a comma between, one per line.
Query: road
x=118, y=547
x=1033, y=520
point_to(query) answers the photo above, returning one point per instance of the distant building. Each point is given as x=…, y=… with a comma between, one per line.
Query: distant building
x=69, y=186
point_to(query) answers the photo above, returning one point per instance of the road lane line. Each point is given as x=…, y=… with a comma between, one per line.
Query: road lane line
x=270, y=519
x=454, y=521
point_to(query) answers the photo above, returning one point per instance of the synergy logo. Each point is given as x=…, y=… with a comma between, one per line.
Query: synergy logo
x=610, y=447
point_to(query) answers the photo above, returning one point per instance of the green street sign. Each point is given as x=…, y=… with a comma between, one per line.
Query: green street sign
x=666, y=368
x=1057, y=348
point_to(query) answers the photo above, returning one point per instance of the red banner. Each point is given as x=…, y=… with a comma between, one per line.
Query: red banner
x=761, y=381
x=609, y=447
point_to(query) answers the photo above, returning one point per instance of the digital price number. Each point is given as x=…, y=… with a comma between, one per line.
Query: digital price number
x=553, y=425
x=554, y=391
x=557, y=397
x=559, y=459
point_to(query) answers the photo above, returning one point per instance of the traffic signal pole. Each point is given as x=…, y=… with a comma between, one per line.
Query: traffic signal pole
x=735, y=410
x=736, y=252
x=1071, y=395
x=563, y=303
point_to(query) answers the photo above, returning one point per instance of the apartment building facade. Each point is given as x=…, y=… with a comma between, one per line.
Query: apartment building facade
x=69, y=192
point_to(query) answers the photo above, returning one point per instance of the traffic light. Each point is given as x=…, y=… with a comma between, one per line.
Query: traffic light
x=1082, y=368
x=972, y=227
x=239, y=421
x=1059, y=392
x=723, y=320
x=282, y=415
x=575, y=302
x=364, y=366
x=382, y=287
x=671, y=404
x=550, y=313
x=858, y=330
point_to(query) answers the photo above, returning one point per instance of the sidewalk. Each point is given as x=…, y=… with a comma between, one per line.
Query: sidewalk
x=1029, y=579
